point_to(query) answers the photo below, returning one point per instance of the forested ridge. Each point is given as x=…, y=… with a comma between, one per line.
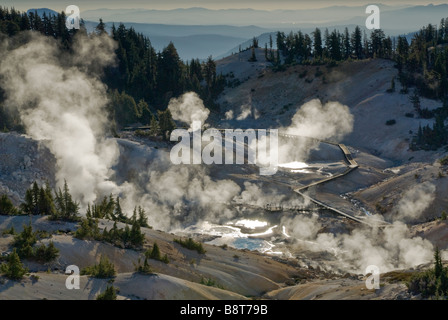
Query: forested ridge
x=422, y=65
x=143, y=81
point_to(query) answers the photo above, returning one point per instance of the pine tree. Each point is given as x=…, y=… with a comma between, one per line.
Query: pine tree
x=145, y=269
x=347, y=45
x=403, y=48
x=45, y=202
x=101, y=28
x=415, y=99
x=166, y=123
x=109, y=294
x=334, y=46
x=13, y=269
x=106, y=235
x=118, y=213
x=28, y=206
x=134, y=215
x=154, y=128
x=209, y=71
x=169, y=79
x=146, y=115
x=142, y=218
x=357, y=43
x=89, y=211
x=155, y=253
x=45, y=253
x=88, y=229
x=326, y=42
x=377, y=38
x=126, y=235
x=51, y=252
x=136, y=237
x=49, y=200
x=24, y=241
x=438, y=266
x=125, y=108
x=271, y=52
x=7, y=207
x=38, y=201
x=317, y=44
x=36, y=193
x=110, y=208
x=105, y=269
x=66, y=208
x=253, y=57
x=114, y=234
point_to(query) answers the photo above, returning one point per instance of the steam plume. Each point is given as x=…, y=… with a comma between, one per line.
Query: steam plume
x=62, y=101
x=188, y=108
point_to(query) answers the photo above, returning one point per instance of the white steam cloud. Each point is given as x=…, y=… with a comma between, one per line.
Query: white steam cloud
x=389, y=248
x=322, y=121
x=61, y=101
x=188, y=108
x=415, y=201
x=330, y=121
x=260, y=196
x=246, y=110
x=229, y=115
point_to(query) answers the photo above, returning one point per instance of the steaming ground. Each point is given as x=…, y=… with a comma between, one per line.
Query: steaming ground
x=306, y=252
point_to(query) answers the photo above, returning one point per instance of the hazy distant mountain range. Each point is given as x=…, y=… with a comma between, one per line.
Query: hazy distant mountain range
x=199, y=32
x=394, y=18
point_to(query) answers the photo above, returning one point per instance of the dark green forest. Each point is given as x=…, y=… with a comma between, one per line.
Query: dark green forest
x=143, y=81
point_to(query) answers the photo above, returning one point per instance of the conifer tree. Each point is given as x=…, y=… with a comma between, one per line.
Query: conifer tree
x=169, y=82
x=438, y=266
x=45, y=202
x=103, y=270
x=24, y=241
x=145, y=269
x=347, y=45
x=126, y=235
x=317, y=44
x=101, y=28
x=6, y=206
x=154, y=128
x=253, y=57
x=36, y=193
x=155, y=253
x=28, y=206
x=136, y=237
x=142, y=218
x=14, y=268
x=109, y=294
x=114, y=234
x=166, y=123
x=118, y=213
x=356, y=43
x=66, y=208
x=415, y=99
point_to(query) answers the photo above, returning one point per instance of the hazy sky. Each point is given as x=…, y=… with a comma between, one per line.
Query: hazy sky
x=59, y=5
